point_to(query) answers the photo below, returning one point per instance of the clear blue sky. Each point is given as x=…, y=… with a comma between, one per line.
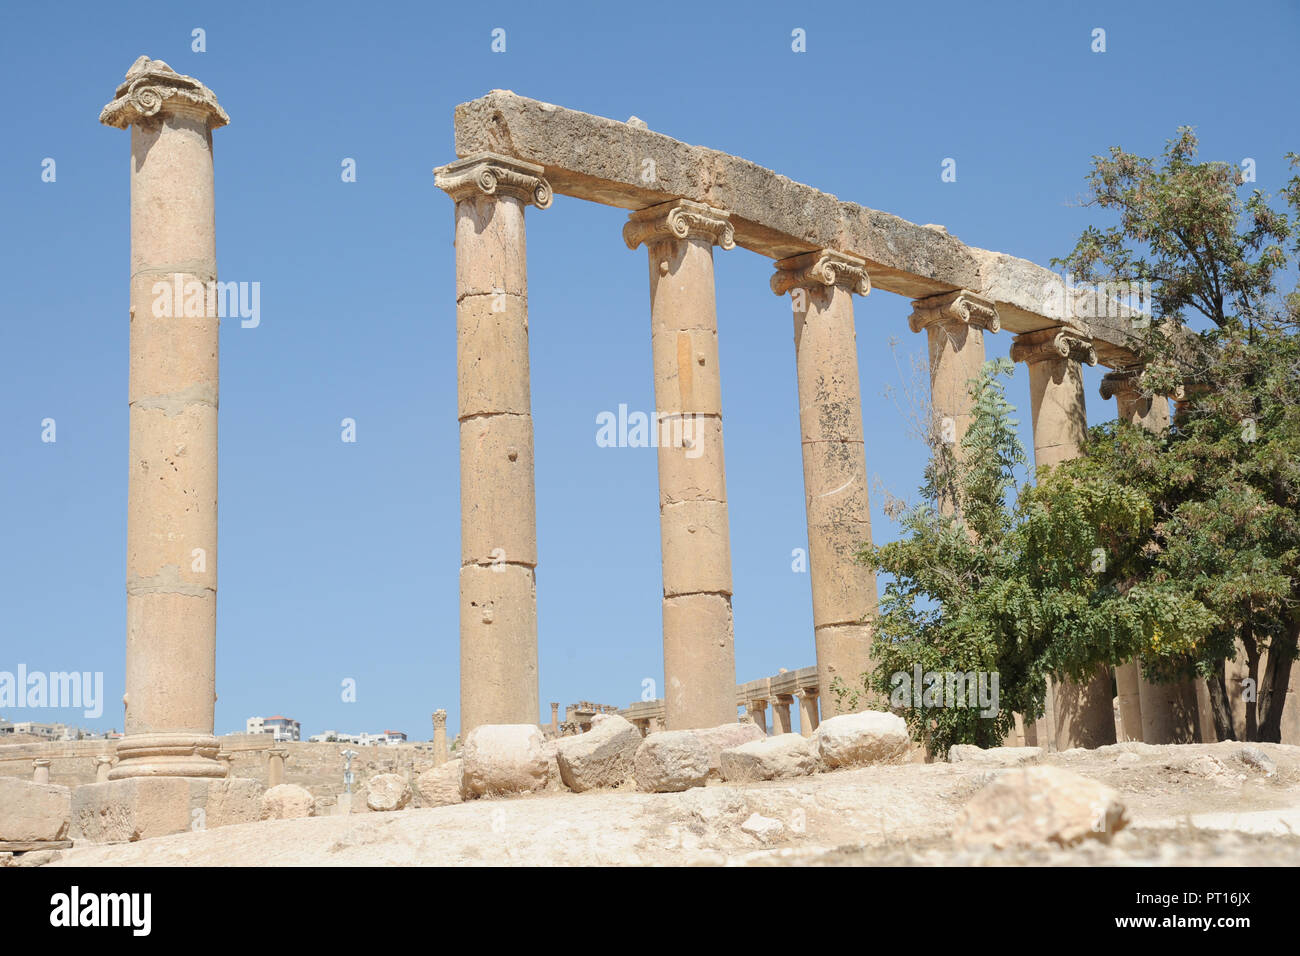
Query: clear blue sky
x=340, y=560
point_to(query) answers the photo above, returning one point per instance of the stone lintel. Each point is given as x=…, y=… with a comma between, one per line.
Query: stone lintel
x=1059, y=343
x=631, y=167
x=492, y=174
x=152, y=87
x=961, y=307
x=825, y=267
x=677, y=220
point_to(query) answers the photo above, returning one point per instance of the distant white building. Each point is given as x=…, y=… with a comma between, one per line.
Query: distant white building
x=281, y=728
x=360, y=740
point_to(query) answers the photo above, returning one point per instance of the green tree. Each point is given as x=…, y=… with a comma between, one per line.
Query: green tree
x=1223, y=486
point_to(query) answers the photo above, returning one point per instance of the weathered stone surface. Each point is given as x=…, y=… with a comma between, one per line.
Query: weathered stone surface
x=725, y=737
x=993, y=757
x=1040, y=805
x=602, y=757
x=138, y=808
x=588, y=156
x=671, y=761
x=287, y=801
x=764, y=828
x=440, y=786
x=773, y=758
x=388, y=791
x=856, y=740
x=504, y=758
x=33, y=811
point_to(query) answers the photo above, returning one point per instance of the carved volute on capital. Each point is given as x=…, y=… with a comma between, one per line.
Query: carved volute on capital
x=1062, y=342
x=152, y=87
x=824, y=267
x=1121, y=383
x=491, y=174
x=680, y=219
x=954, y=308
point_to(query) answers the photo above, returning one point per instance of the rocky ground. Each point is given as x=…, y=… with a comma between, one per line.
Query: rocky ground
x=1213, y=804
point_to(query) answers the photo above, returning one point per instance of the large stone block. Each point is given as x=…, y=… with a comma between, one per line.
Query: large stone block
x=504, y=758
x=1040, y=805
x=387, y=791
x=860, y=740
x=492, y=356
x=287, y=801
x=671, y=761
x=33, y=812
x=137, y=808
x=724, y=737
x=602, y=757
x=786, y=755
x=441, y=785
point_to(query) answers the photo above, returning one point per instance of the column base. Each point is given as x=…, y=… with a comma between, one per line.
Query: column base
x=167, y=755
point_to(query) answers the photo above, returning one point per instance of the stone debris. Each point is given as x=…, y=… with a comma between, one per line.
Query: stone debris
x=387, y=791
x=287, y=801
x=441, y=785
x=1038, y=805
x=602, y=757
x=764, y=828
x=1254, y=757
x=994, y=756
x=504, y=758
x=33, y=812
x=670, y=761
x=859, y=740
x=773, y=758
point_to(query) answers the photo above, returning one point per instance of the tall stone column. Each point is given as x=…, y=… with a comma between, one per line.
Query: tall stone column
x=954, y=323
x=1168, y=711
x=1084, y=714
x=171, y=552
x=821, y=286
x=440, y=737
x=498, y=531
x=555, y=719
x=757, y=711
x=808, y=719
x=699, y=656
x=781, y=723
x=103, y=764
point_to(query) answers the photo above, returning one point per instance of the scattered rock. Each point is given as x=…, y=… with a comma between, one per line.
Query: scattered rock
x=1202, y=766
x=387, y=791
x=765, y=828
x=1128, y=757
x=1038, y=805
x=772, y=758
x=602, y=757
x=33, y=811
x=504, y=758
x=1254, y=757
x=637, y=123
x=725, y=737
x=670, y=761
x=994, y=756
x=440, y=786
x=287, y=801
x=859, y=740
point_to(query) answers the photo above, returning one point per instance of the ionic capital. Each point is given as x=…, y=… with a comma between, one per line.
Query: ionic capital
x=680, y=219
x=954, y=309
x=1121, y=383
x=1061, y=342
x=491, y=174
x=824, y=267
x=152, y=87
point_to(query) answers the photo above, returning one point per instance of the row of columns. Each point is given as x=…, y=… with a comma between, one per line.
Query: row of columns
x=172, y=486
